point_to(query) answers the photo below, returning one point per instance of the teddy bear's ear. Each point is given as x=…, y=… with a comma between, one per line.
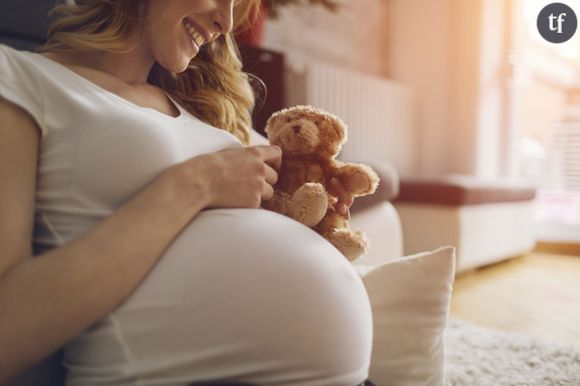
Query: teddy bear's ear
x=274, y=122
x=336, y=128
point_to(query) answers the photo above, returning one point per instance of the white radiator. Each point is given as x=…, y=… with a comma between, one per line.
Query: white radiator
x=378, y=112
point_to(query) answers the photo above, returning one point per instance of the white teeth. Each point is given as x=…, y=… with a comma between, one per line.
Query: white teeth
x=197, y=37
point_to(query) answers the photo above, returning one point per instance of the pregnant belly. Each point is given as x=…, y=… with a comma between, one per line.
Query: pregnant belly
x=243, y=294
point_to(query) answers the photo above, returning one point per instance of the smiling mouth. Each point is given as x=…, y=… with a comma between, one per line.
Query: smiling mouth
x=196, y=36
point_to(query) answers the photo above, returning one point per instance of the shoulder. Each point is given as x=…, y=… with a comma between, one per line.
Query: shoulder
x=7, y=50
x=16, y=63
x=25, y=63
x=18, y=69
x=19, y=82
x=15, y=70
x=8, y=55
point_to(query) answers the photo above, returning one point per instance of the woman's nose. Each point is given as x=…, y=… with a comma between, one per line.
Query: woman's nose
x=222, y=18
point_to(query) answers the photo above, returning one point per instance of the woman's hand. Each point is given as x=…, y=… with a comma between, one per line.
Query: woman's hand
x=345, y=199
x=234, y=178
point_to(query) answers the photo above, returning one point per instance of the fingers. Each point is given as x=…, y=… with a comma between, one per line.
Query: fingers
x=267, y=192
x=272, y=157
x=271, y=154
x=343, y=196
x=264, y=160
x=349, y=200
x=271, y=175
x=343, y=209
x=345, y=199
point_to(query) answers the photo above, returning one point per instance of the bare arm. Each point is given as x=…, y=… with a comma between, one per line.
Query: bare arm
x=47, y=300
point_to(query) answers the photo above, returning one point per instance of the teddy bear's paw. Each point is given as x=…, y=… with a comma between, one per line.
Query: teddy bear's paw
x=310, y=203
x=352, y=244
x=361, y=182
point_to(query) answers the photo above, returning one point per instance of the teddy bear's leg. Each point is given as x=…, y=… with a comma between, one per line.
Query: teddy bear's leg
x=352, y=244
x=335, y=228
x=280, y=202
x=309, y=204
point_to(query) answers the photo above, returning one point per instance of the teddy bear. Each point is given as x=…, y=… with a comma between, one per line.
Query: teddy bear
x=310, y=139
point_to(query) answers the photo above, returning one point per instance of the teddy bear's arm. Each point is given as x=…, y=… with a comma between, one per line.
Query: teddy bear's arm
x=357, y=179
x=314, y=172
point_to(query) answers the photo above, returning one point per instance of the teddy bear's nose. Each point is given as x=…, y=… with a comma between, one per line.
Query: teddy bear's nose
x=296, y=128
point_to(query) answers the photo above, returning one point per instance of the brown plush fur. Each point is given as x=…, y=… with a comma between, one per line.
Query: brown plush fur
x=310, y=139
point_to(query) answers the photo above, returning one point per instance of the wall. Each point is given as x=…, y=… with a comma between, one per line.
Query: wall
x=420, y=57
x=454, y=54
x=355, y=36
x=450, y=52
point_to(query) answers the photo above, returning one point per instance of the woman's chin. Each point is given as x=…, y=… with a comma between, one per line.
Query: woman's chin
x=179, y=64
x=182, y=64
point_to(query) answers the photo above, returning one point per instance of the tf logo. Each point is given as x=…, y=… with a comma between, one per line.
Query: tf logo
x=557, y=22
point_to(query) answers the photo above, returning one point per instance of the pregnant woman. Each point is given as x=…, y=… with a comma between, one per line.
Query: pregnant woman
x=125, y=157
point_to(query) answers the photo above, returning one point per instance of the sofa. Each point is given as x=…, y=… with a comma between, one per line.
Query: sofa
x=486, y=221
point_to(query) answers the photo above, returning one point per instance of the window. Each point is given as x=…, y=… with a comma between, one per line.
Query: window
x=545, y=123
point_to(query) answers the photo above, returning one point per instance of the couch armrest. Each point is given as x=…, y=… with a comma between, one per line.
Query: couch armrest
x=382, y=226
x=387, y=190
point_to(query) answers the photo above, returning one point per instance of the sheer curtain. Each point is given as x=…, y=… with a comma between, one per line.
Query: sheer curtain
x=545, y=122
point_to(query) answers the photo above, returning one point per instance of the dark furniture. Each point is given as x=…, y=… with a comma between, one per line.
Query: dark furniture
x=268, y=66
x=23, y=23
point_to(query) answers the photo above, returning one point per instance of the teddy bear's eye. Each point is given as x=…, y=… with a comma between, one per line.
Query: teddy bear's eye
x=288, y=119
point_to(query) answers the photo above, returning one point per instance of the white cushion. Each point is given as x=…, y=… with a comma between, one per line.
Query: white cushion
x=410, y=304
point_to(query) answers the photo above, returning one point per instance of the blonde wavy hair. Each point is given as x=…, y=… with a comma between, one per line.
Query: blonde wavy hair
x=213, y=88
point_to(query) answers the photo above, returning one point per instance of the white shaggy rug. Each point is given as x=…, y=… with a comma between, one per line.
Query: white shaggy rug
x=479, y=356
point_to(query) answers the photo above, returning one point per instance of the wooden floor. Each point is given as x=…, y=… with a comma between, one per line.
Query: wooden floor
x=537, y=294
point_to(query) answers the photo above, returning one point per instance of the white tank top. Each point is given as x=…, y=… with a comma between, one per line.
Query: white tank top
x=97, y=149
